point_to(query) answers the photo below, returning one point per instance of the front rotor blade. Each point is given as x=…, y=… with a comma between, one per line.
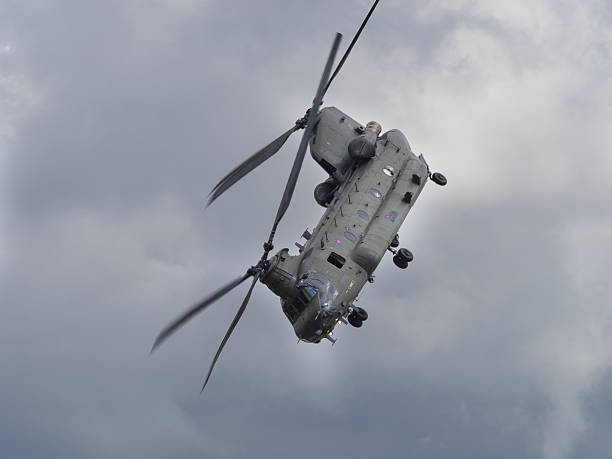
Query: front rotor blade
x=180, y=321
x=312, y=116
x=230, y=329
x=348, y=50
x=247, y=166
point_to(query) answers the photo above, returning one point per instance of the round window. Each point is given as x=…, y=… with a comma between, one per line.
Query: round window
x=350, y=236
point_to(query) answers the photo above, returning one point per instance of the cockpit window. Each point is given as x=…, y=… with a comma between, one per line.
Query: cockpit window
x=313, y=284
x=290, y=310
x=308, y=292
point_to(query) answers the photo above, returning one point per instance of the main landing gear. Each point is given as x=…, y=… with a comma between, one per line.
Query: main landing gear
x=401, y=257
x=357, y=316
x=438, y=178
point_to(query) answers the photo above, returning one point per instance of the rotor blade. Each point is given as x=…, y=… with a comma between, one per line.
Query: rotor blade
x=247, y=166
x=180, y=321
x=230, y=329
x=312, y=116
x=348, y=50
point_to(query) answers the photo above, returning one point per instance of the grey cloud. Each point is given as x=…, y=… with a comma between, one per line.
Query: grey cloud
x=493, y=343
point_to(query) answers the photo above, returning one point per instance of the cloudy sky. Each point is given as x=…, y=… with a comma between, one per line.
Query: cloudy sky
x=117, y=118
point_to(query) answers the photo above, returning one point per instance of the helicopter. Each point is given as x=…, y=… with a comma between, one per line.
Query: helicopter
x=374, y=180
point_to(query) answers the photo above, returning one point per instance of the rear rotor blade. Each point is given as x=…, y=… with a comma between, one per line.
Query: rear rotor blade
x=247, y=166
x=312, y=116
x=230, y=329
x=199, y=307
x=348, y=50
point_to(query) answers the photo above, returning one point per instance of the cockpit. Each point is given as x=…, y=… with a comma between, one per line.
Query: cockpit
x=312, y=284
x=309, y=286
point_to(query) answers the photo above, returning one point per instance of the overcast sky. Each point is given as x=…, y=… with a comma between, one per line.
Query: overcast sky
x=118, y=117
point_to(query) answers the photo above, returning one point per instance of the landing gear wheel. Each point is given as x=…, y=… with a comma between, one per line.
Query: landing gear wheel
x=354, y=320
x=395, y=241
x=361, y=313
x=400, y=263
x=438, y=178
x=402, y=258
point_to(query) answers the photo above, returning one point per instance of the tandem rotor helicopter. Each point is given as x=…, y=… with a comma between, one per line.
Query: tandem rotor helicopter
x=374, y=180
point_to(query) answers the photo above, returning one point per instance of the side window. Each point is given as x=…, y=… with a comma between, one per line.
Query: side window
x=363, y=214
x=350, y=236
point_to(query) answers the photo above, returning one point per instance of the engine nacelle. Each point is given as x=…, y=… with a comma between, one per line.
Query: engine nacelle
x=324, y=192
x=364, y=146
x=329, y=144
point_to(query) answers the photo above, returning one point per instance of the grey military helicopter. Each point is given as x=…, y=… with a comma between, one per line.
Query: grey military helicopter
x=374, y=180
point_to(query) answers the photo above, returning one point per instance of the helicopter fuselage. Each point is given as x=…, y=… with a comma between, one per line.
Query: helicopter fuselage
x=369, y=203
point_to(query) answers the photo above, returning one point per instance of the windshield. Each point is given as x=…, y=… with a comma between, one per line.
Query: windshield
x=312, y=284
